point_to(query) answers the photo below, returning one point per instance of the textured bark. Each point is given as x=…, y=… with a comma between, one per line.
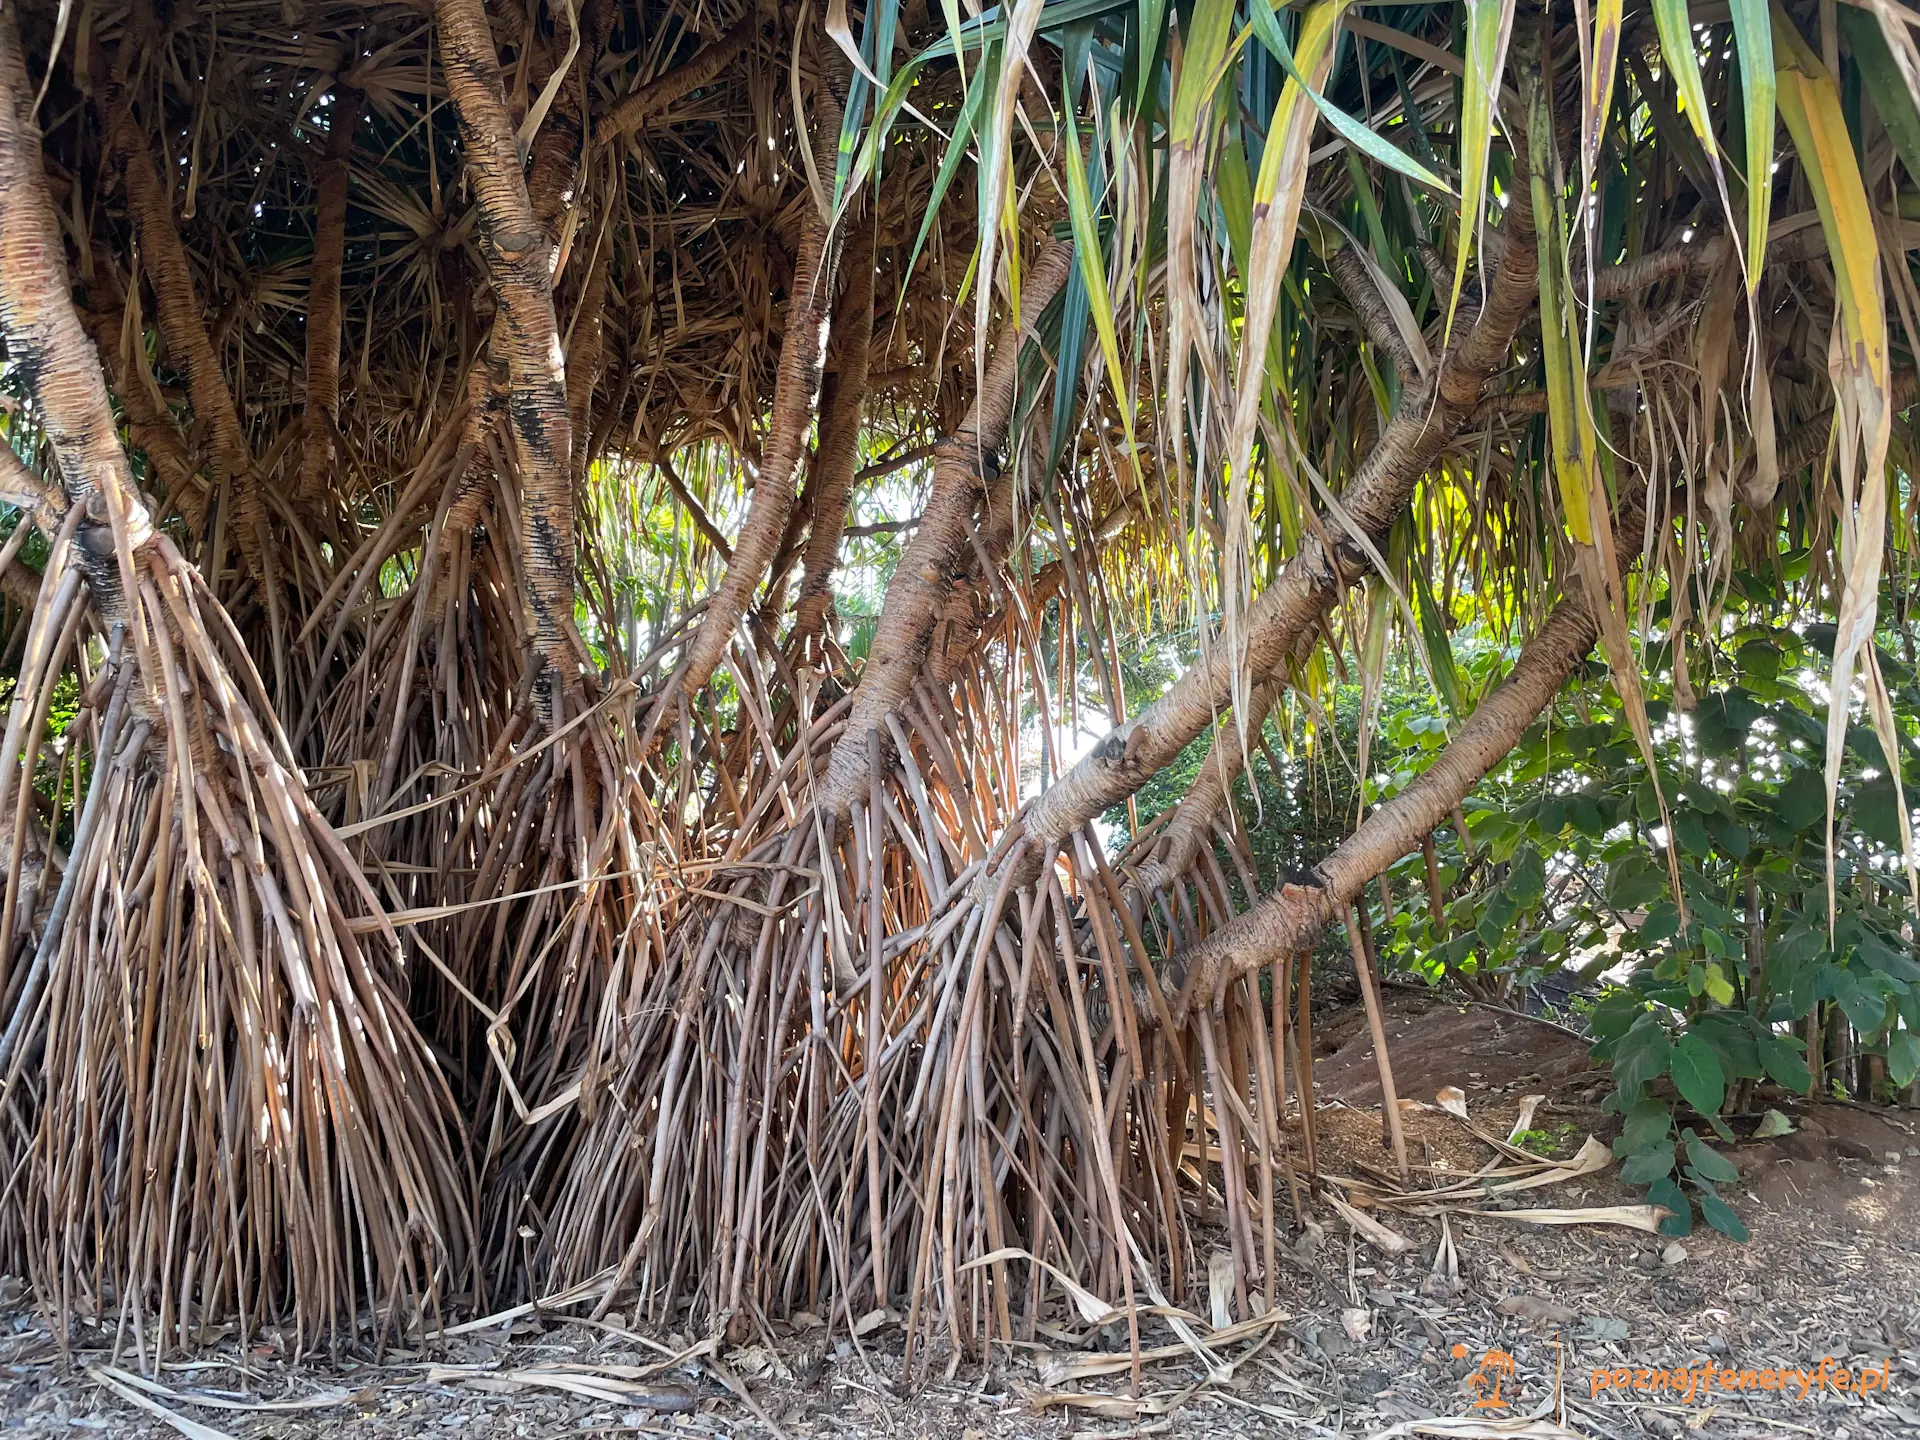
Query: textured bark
x=803, y=347
x=834, y=462
x=322, y=418
x=586, y=354
x=24, y=490
x=917, y=594
x=519, y=256
x=664, y=90
x=1192, y=824
x=553, y=167
x=48, y=349
x=180, y=315
x=550, y=178
x=150, y=425
x=1351, y=272
x=1426, y=419
x=1294, y=917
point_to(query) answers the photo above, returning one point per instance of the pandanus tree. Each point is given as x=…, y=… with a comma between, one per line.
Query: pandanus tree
x=464, y=839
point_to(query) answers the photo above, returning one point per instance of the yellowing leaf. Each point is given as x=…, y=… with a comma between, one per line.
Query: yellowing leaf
x=1810, y=104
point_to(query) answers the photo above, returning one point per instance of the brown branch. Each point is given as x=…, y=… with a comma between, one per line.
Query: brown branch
x=1179, y=843
x=150, y=424
x=519, y=256
x=912, y=455
x=322, y=418
x=917, y=593
x=664, y=90
x=1429, y=414
x=587, y=352
x=46, y=344
x=178, y=309
x=1294, y=917
x=796, y=387
x=695, y=510
x=1350, y=271
x=833, y=465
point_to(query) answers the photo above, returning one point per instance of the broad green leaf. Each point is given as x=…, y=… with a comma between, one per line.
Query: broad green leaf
x=1648, y=1122
x=1710, y=1162
x=1864, y=1005
x=1717, y=1213
x=1903, y=1059
x=1784, y=1064
x=1800, y=801
x=1527, y=880
x=1669, y=1194
x=1646, y=1166
x=1662, y=923
x=1697, y=1074
x=1642, y=1056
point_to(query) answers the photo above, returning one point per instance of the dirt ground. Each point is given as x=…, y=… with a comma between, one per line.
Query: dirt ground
x=1360, y=1341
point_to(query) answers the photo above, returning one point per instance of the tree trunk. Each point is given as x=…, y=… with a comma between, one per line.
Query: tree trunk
x=347, y=1194
x=519, y=257
x=838, y=455
x=917, y=593
x=803, y=351
x=322, y=418
x=150, y=424
x=180, y=315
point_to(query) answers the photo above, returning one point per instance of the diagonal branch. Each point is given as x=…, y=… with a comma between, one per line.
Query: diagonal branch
x=796, y=388
x=1426, y=419
x=917, y=593
x=1293, y=918
x=661, y=92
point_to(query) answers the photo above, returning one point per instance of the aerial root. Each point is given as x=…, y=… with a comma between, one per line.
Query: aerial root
x=225, y=1109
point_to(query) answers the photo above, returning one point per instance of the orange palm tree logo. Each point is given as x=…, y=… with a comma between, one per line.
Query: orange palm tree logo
x=1495, y=1366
